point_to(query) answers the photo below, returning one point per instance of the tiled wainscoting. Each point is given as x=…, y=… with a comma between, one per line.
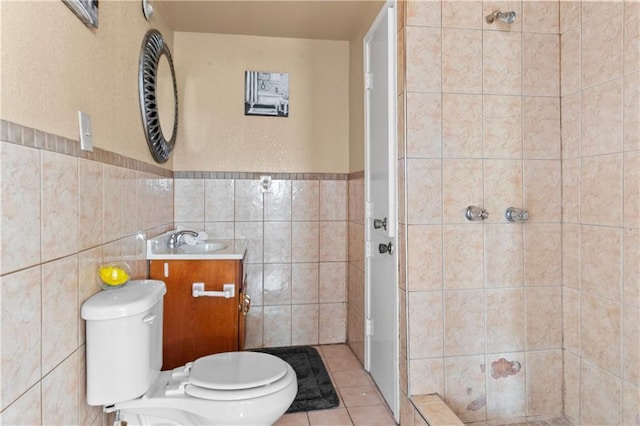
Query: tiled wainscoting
x=296, y=264
x=63, y=212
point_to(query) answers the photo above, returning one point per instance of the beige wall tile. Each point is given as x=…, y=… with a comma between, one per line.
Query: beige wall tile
x=631, y=344
x=90, y=197
x=540, y=16
x=463, y=322
x=502, y=187
x=630, y=403
x=506, y=393
x=424, y=59
x=60, y=393
x=543, y=190
x=332, y=323
x=544, y=383
x=424, y=267
x=254, y=324
x=333, y=242
x=503, y=255
x=333, y=200
x=88, y=285
x=461, y=60
x=541, y=64
x=277, y=284
x=600, y=35
x=465, y=387
x=571, y=320
x=249, y=203
x=333, y=282
x=602, y=119
x=113, y=181
x=25, y=411
x=426, y=376
x=59, y=205
x=501, y=63
x=502, y=127
x=461, y=125
x=60, y=314
x=631, y=266
x=277, y=242
x=20, y=295
x=631, y=208
x=424, y=121
x=571, y=255
x=631, y=111
x=571, y=191
x=601, y=190
x=305, y=318
x=305, y=237
x=253, y=233
x=462, y=256
x=631, y=36
x=466, y=14
x=571, y=123
x=542, y=254
x=425, y=325
x=305, y=199
x=569, y=15
x=189, y=200
x=424, y=191
x=570, y=62
x=505, y=328
x=600, y=330
x=571, y=383
x=218, y=200
x=20, y=186
x=600, y=259
x=541, y=128
x=543, y=310
x=277, y=202
x=277, y=325
x=423, y=13
x=461, y=187
x=599, y=392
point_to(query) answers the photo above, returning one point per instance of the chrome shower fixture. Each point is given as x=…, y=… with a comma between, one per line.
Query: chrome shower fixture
x=507, y=18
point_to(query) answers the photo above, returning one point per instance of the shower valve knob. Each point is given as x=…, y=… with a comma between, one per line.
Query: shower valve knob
x=385, y=248
x=474, y=213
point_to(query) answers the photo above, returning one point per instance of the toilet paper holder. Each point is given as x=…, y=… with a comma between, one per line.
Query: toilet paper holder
x=228, y=291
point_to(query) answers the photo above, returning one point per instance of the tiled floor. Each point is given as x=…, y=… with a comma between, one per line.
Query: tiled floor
x=360, y=401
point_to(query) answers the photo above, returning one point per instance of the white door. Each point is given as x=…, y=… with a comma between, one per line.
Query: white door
x=381, y=310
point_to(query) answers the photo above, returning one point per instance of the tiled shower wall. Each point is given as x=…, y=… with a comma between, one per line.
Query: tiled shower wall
x=481, y=302
x=63, y=213
x=296, y=263
x=355, y=279
x=601, y=210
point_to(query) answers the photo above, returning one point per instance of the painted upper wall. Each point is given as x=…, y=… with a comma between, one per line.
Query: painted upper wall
x=215, y=135
x=52, y=65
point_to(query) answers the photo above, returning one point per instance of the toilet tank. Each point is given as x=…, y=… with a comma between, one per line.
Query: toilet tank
x=124, y=341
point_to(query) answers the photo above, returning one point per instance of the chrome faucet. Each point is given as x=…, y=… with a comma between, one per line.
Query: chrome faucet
x=176, y=239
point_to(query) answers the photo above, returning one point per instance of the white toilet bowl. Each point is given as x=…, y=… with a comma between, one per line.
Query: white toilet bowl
x=233, y=388
x=124, y=356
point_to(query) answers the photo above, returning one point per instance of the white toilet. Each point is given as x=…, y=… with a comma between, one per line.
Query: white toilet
x=124, y=357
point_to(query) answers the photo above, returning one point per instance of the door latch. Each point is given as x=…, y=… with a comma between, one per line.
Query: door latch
x=385, y=248
x=380, y=223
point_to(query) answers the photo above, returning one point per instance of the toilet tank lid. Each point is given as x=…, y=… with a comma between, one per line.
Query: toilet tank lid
x=135, y=297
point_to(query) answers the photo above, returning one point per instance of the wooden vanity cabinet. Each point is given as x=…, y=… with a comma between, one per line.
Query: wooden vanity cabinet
x=197, y=326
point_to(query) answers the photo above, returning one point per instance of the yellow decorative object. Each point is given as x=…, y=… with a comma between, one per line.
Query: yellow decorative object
x=113, y=275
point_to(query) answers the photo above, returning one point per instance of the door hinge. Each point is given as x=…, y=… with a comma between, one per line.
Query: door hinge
x=368, y=327
x=368, y=78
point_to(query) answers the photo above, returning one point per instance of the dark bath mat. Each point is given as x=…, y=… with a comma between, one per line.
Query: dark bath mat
x=315, y=390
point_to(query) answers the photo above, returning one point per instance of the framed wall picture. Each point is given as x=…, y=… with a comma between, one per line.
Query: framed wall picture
x=86, y=10
x=266, y=93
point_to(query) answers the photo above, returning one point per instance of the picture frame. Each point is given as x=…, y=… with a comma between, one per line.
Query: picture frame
x=85, y=10
x=266, y=93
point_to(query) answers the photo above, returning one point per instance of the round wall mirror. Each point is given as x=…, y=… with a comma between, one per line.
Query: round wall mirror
x=158, y=96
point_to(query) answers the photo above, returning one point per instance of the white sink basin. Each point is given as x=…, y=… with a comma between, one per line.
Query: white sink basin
x=207, y=246
x=157, y=248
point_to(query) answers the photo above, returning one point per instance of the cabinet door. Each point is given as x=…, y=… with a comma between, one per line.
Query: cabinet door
x=197, y=326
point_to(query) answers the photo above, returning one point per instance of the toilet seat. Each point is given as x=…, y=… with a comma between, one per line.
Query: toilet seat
x=235, y=375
